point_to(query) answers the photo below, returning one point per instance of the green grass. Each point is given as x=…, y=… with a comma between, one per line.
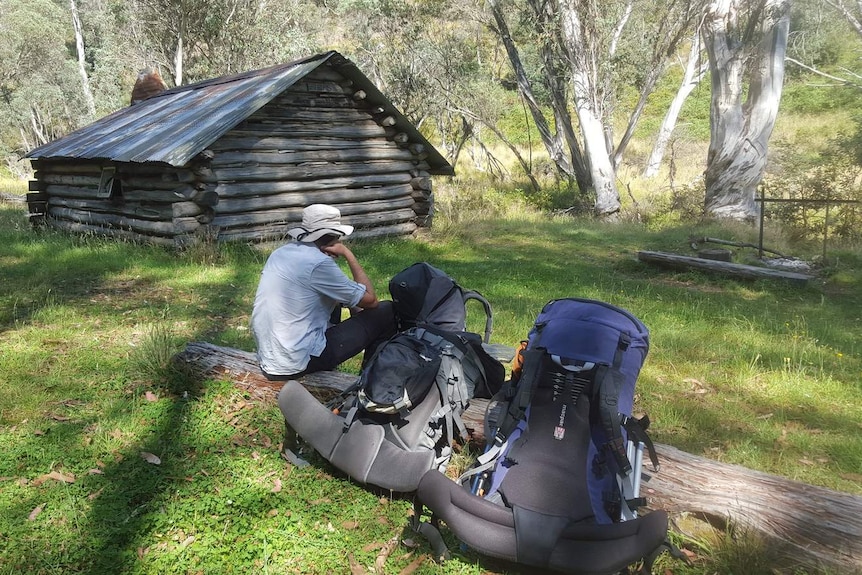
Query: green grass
x=761, y=374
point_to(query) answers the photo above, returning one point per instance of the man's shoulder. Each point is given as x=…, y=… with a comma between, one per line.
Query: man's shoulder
x=299, y=252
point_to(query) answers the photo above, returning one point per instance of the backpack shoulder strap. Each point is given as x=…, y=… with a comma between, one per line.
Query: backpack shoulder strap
x=516, y=398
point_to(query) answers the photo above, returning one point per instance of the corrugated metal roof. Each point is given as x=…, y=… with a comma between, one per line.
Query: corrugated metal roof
x=174, y=126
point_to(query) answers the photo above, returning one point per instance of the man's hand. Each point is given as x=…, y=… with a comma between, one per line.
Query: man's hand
x=337, y=250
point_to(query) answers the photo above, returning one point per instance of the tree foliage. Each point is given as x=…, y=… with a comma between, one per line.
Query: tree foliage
x=572, y=76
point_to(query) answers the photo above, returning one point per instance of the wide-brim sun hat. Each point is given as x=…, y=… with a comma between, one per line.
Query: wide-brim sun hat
x=319, y=220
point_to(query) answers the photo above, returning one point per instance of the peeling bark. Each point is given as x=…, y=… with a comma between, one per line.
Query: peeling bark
x=740, y=132
x=584, y=67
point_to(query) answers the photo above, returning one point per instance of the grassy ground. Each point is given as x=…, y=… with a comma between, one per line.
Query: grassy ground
x=112, y=463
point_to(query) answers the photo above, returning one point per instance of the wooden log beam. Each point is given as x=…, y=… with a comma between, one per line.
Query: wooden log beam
x=146, y=227
x=282, y=157
x=266, y=142
x=278, y=233
x=389, y=209
x=349, y=131
x=122, y=234
x=302, y=199
x=209, y=361
x=725, y=268
x=811, y=526
x=245, y=189
x=143, y=210
x=308, y=171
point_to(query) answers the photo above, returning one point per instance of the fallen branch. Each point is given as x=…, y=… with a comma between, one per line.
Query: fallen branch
x=735, y=244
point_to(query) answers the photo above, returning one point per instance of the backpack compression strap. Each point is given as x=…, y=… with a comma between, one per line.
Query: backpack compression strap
x=610, y=384
x=636, y=428
x=447, y=411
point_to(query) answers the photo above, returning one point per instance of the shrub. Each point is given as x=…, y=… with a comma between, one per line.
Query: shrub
x=812, y=215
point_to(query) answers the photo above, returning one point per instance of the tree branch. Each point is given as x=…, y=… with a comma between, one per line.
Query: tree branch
x=813, y=70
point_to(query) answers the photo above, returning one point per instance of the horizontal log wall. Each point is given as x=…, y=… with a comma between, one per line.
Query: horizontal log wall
x=315, y=143
x=155, y=205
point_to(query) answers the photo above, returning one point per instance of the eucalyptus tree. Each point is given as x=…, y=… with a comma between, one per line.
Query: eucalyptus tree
x=198, y=39
x=427, y=56
x=695, y=67
x=744, y=40
x=82, y=59
x=40, y=96
x=591, y=55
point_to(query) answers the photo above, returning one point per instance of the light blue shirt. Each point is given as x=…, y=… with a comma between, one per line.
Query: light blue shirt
x=299, y=287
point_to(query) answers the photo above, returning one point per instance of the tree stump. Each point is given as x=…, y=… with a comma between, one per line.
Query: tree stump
x=813, y=527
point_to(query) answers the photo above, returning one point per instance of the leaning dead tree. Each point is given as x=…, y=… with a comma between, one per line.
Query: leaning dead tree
x=812, y=527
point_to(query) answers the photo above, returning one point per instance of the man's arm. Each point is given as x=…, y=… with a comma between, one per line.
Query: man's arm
x=369, y=299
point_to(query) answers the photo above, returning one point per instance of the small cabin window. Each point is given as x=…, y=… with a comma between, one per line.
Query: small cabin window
x=110, y=185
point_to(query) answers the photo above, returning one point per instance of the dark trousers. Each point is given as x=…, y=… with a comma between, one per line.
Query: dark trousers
x=363, y=331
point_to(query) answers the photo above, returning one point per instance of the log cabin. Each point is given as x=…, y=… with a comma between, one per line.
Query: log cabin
x=236, y=158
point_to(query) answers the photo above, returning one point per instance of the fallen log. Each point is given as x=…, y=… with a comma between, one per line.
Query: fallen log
x=726, y=268
x=813, y=527
x=208, y=361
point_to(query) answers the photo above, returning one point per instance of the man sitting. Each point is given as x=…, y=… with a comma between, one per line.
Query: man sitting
x=300, y=287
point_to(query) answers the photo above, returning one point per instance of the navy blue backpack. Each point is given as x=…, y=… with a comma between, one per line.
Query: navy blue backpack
x=558, y=485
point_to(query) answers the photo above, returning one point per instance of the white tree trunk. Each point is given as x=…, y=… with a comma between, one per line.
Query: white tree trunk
x=178, y=62
x=740, y=131
x=553, y=142
x=695, y=70
x=82, y=63
x=584, y=69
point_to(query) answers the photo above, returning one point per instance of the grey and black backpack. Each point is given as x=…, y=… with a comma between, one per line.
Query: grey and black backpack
x=425, y=295
x=403, y=414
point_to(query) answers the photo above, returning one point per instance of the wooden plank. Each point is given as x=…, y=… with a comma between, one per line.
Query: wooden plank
x=281, y=157
x=365, y=213
x=260, y=142
x=725, y=268
x=111, y=220
x=277, y=233
x=302, y=199
x=245, y=189
x=308, y=171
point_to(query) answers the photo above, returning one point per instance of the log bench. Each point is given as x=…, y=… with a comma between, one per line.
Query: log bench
x=814, y=527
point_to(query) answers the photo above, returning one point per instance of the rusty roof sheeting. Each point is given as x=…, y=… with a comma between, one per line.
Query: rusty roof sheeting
x=174, y=126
